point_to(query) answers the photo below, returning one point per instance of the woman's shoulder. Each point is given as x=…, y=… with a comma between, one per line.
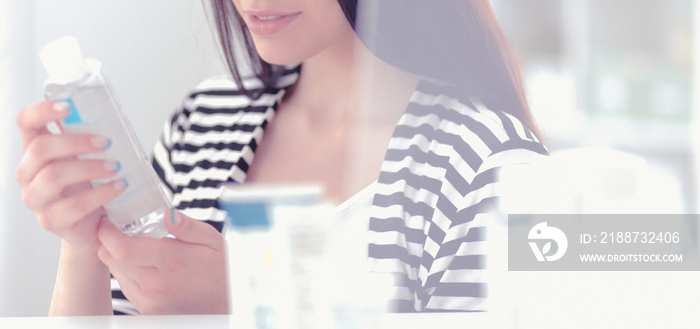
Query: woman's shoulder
x=479, y=133
x=224, y=91
x=218, y=94
x=215, y=83
x=221, y=90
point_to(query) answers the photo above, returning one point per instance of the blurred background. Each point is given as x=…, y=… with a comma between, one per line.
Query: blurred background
x=618, y=74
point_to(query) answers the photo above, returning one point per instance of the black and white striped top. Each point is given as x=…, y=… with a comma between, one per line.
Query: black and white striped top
x=439, y=173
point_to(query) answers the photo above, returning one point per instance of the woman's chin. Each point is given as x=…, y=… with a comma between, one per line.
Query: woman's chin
x=279, y=61
x=280, y=56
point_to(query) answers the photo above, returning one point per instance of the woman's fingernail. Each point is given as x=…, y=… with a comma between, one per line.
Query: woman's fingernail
x=101, y=142
x=113, y=165
x=121, y=184
x=60, y=106
x=174, y=218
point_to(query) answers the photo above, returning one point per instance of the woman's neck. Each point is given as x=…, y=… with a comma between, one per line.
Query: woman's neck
x=337, y=83
x=325, y=83
x=334, y=125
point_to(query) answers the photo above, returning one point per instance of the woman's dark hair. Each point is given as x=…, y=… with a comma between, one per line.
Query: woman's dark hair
x=457, y=41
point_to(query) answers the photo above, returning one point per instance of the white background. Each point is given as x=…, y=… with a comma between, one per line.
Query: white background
x=153, y=52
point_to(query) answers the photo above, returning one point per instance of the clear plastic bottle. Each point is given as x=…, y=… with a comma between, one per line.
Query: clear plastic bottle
x=140, y=209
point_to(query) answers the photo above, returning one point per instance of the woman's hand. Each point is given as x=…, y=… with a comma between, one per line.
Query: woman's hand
x=184, y=275
x=55, y=183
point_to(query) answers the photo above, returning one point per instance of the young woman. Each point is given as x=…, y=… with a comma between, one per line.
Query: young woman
x=402, y=110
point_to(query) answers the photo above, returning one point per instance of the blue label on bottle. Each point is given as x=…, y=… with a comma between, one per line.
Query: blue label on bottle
x=74, y=116
x=246, y=214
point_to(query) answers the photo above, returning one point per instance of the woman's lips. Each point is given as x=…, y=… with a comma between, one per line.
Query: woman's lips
x=268, y=22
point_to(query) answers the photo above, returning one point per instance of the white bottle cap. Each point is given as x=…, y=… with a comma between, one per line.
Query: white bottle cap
x=63, y=60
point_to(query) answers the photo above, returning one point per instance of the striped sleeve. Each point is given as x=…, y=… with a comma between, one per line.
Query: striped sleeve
x=209, y=141
x=439, y=175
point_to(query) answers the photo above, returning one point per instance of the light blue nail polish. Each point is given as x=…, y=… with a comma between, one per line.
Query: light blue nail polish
x=119, y=167
x=109, y=143
x=172, y=215
x=126, y=183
